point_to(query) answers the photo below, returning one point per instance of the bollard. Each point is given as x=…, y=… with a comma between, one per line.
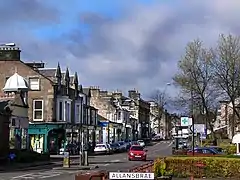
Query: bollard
x=86, y=158
x=66, y=160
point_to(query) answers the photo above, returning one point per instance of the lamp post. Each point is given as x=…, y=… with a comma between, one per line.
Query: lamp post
x=81, y=133
x=193, y=132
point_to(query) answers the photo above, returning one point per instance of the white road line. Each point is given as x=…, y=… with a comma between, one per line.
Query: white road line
x=116, y=160
x=48, y=176
x=22, y=176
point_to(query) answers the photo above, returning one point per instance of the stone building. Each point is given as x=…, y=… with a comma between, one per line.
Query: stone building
x=52, y=99
x=114, y=118
x=114, y=106
x=140, y=110
x=160, y=120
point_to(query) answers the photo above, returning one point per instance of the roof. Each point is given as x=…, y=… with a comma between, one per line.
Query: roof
x=48, y=72
x=15, y=83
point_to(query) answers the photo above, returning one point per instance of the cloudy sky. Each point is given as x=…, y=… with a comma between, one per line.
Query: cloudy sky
x=115, y=44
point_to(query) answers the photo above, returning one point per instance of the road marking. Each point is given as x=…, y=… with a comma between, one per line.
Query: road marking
x=48, y=176
x=116, y=160
x=22, y=176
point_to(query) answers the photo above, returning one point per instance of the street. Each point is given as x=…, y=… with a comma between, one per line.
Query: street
x=115, y=162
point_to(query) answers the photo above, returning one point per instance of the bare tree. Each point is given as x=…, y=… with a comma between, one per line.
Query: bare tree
x=195, y=79
x=159, y=98
x=226, y=66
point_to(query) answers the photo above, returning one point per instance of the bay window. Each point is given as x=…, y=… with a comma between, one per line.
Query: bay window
x=64, y=110
x=78, y=109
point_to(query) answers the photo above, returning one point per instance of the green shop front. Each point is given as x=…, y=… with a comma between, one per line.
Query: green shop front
x=47, y=137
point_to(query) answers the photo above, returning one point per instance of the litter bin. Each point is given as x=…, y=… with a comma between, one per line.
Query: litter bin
x=66, y=160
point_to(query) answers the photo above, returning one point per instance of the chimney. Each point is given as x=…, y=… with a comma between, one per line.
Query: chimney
x=9, y=52
x=103, y=93
x=134, y=94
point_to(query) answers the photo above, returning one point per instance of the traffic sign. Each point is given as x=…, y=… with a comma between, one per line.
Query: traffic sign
x=184, y=121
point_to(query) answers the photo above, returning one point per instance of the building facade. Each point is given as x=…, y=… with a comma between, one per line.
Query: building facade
x=53, y=99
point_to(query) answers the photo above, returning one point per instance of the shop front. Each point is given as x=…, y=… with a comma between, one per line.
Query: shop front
x=47, y=137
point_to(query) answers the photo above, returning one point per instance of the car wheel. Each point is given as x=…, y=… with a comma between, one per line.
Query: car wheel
x=129, y=159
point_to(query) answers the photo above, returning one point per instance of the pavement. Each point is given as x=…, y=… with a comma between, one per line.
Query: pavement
x=114, y=162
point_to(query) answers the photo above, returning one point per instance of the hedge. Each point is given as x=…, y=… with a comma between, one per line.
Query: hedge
x=229, y=148
x=27, y=156
x=209, y=167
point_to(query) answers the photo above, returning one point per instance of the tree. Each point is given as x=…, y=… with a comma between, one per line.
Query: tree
x=226, y=68
x=195, y=79
x=159, y=98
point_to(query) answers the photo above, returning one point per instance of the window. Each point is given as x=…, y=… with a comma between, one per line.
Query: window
x=93, y=113
x=77, y=115
x=108, y=116
x=34, y=83
x=84, y=115
x=64, y=110
x=60, y=111
x=38, y=110
x=67, y=112
x=89, y=116
x=119, y=116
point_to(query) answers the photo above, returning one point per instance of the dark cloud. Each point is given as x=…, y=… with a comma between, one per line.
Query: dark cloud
x=140, y=50
x=22, y=11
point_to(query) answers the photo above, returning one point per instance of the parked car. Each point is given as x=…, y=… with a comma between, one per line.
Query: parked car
x=123, y=146
x=137, y=152
x=218, y=149
x=204, y=151
x=102, y=149
x=157, y=138
x=134, y=143
x=115, y=147
x=141, y=143
x=71, y=148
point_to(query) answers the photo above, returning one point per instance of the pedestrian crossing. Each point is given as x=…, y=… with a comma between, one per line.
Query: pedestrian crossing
x=44, y=174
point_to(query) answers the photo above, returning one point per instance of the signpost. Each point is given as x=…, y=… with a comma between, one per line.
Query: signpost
x=184, y=121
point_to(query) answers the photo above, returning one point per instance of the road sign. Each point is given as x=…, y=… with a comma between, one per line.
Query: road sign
x=184, y=121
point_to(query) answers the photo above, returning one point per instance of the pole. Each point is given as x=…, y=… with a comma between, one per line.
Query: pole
x=193, y=133
x=82, y=146
x=80, y=149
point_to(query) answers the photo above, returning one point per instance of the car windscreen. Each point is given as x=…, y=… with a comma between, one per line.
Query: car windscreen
x=121, y=143
x=137, y=148
x=115, y=144
x=100, y=146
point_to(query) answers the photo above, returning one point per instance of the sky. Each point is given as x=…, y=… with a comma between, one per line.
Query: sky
x=115, y=44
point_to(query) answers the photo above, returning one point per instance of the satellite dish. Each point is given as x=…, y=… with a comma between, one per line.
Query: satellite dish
x=10, y=44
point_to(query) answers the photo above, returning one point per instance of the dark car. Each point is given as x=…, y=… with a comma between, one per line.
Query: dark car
x=204, y=151
x=218, y=149
x=115, y=147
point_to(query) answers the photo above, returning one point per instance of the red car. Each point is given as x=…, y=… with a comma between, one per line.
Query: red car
x=137, y=152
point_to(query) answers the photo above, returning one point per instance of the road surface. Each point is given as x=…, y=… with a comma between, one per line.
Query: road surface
x=114, y=162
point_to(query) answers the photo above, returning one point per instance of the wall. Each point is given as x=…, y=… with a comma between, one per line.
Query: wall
x=8, y=68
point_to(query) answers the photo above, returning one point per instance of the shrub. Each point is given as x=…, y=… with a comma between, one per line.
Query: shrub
x=229, y=148
x=201, y=167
